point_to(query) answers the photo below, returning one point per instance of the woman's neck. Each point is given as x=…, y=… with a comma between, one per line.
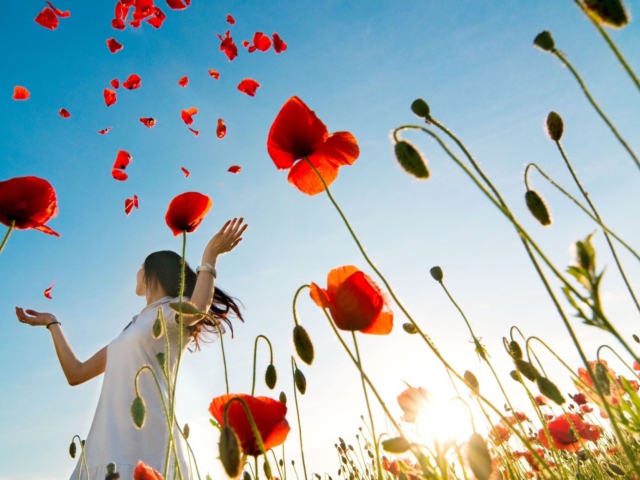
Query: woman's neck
x=154, y=295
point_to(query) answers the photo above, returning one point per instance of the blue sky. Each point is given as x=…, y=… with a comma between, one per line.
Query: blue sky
x=359, y=65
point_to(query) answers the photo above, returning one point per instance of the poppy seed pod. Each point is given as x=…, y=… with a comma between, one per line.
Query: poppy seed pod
x=409, y=328
x=283, y=398
x=410, y=160
x=246, y=476
x=538, y=207
x=526, y=369
x=303, y=344
x=555, y=126
x=615, y=469
x=229, y=451
x=138, y=411
x=300, y=381
x=607, y=12
x=420, y=108
x=267, y=468
x=271, y=377
x=514, y=349
x=161, y=358
x=157, y=329
x=72, y=449
x=479, y=458
x=186, y=430
x=544, y=41
x=436, y=273
x=514, y=374
x=472, y=382
x=635, y=338
x=396, y=445
x=549, y=390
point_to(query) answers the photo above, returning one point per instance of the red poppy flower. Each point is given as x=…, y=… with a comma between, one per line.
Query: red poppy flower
x=64, y=113
x=297, y=133
x=586, y=408
x=355, y=302
x=183, y=81
x=260, y=42
x=195, y=132
x=29, y=201
x=148, y=122
x=47, y=291
x=221, y=129
x=104, y=131
x=186, y=212
x=187, y=115
x=59, y=13
x=214, y=74
x=235, y=169
x=231, y=20
x=177, y=4
x=47, y=18
x=115, y=83
x=579, y=398
x=636, y=365
x=248, y=86
x=412, y=401
x=132, y=82
x=158, y=18
x=540, y=400
x=130, y=203
x=109, y=97
x=499, y=433
x=113, y=45
x=278, y=44
x=20, y=93
x=145, y=472
x=185, y=171
x=227, y=46
x=564, y=436
x=268, y=415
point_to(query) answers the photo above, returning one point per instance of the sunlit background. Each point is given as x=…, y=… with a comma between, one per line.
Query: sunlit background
x=359, y=66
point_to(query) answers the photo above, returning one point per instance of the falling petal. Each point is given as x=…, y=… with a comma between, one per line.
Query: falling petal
x=231, y=20
x=128, y=205
x=177, y=4
x=235, y=169
x=148, y=122
x=157, y=18
x=64, y=113
x=278, y=43
x=135, y=201
x=109, y=97
x=214, y=74
x=115, y=83
x=123, y=159
x=185, y=171
x=119, y=174
x=260, y=42
x=59, y=13
x=195, y=132
x=20, y=93
x=132, y=82
x=187, y=115
x=227, y=46
x=221, y=129
x=113, y=45
x=47, y=18
x=47, y=292
x=104, y=131
x=248, y=86
x=183, y=81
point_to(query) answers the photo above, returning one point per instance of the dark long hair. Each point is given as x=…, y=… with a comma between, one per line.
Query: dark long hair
x=163, y=268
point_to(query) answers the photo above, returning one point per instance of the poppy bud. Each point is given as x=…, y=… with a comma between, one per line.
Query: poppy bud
x=513, y=374
x=526, y=369
x=303, y=344
x=72, y=449
x=82, y=443
x=160, y=357
x=479, y=458
x=282, y=398
x=472, y=382
x=555, y=126
x=187, y=308
x=549, y=390
x=635, y=338
x=601, y=377
x=608, y=12
x=420, y=108
x=229, y=451
x=409, y=328
x=138, y=411
x=544, y=41
x=271, y=377
x=615, y=469
x=300, y=381
x=246, y=476
x=186, y=430
x=537, y=207
x=396, y=445
x=267, y=468
x=586, y=254
x=514, y=349
x=157, y=328
x=281, y=462
x=411, y=160
x=436, y=273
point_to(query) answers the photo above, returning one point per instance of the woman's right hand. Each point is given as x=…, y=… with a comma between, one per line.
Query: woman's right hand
x=33, y=318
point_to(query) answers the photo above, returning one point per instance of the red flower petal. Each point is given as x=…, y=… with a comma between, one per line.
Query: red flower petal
x=59, y=13
x=109, y=97
x=235, y=169
x=128, y=206
x=186, y=212
x=28, y=201
x=183, y=81
x=187, y=115
x=278, y=43
x=260, y=42
x=119, y=175
x=132, y=82
x=221, y=129
x=122, y=9
x=135, y=201
x=246, y=43
x=148, y=122
x=145, y=472
x=113, y=45
x=185, y=171
x=305, y=179
x=195, y=132
x=47, y=18
x=115, y=83
x=157, y=19
x=231, y=20
x=47, y=291
x=118, y=24
x=177, y=4
x=20, y=93
x=227, y=46
x=104, y=131
x=64, y=113
x=214, y=74
x=248, y=86
x=340, y=148
x=123, y=159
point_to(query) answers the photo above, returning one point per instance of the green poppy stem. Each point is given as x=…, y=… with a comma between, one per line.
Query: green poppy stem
x=255, y=355
x=6, y=237
x=295, y=299
x=295, y=399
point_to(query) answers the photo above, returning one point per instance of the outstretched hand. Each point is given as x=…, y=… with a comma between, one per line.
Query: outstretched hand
x=225, y=240
x=33, y=318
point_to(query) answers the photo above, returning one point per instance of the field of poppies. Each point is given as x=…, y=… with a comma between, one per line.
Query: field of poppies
x=592, y=432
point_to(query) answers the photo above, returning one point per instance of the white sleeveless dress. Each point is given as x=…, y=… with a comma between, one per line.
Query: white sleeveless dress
x=113, y=437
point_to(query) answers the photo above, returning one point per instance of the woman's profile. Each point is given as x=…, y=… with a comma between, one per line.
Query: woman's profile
x=113, y=437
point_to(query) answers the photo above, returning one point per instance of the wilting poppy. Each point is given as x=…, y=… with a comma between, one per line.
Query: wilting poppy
x=355, y=302
x=186, y=212
x=28, y=201
x=185, y=171
x=227, y=46
x=130, y=203
x=64, y=113
x=260, y=42
x=132, y=82
x=297, y=133
x=145, y=472
x=278, y=43
x=565, y=436
x=183, y=81
x=20, y=93
x=148, y=122
x=231, y=20
x=177, y=4
x=158, y=18
x=214, y=74
x=109, y=97
x=268, y=415
x=115, y=83
x=195, y=132
x=104, y=131
x=47, y=291
x=248, y=86
x=412, y=401
x=221, y=129
x=113, y=45
x=47, y=18
x=235, y=169
x=187, y=115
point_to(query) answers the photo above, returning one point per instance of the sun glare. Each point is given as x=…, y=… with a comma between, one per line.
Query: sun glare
x=444, y=421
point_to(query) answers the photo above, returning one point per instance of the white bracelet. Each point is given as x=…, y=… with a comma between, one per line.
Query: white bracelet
x=207, y=268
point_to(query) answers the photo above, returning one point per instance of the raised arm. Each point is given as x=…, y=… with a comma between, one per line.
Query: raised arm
x=75, y=371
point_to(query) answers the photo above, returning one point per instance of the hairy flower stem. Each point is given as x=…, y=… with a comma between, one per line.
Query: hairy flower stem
x=295, y=399
x=580, y=205
x=366, y=398
x=6, y=237
x=612, y=45
x=255, y=355
x=83, y=460
x=617, y=355
x=597, y=215
x=295, y=299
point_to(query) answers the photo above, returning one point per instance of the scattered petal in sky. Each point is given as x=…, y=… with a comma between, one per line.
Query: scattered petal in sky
x=227, y=46
x=59, y=13
x=109, y=97
x=148, y=121
x=113, y=45
x=104, y=131
x=130, y=203
x=231, y=20
x=260, y=42
x=185, y=171
x=132, y=82
x=278, y=43
x=123, y=159
x=20, y=93
x=120, y=15
x=47, y=18
x=235, y=169
x=214, y=74
x=183, y=81
x=248, y=86
x=64, y=113
x=246, y=43
x=177, y=4
x=115, y=83
x=221, y=129
x=119, y=175
x=47, y=292
x=188, y=114
x=195, y=132
x=157, y=18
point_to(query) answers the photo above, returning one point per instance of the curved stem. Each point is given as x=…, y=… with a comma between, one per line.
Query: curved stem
x=295, y=299
x=6, y=237
x=255, y=354
x=83, y=460
x=295, y=399
x=617, y=355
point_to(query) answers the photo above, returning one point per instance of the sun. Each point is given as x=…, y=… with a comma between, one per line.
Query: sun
x=444, y=421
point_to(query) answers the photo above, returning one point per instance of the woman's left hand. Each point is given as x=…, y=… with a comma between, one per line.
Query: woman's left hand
x=225, y=240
